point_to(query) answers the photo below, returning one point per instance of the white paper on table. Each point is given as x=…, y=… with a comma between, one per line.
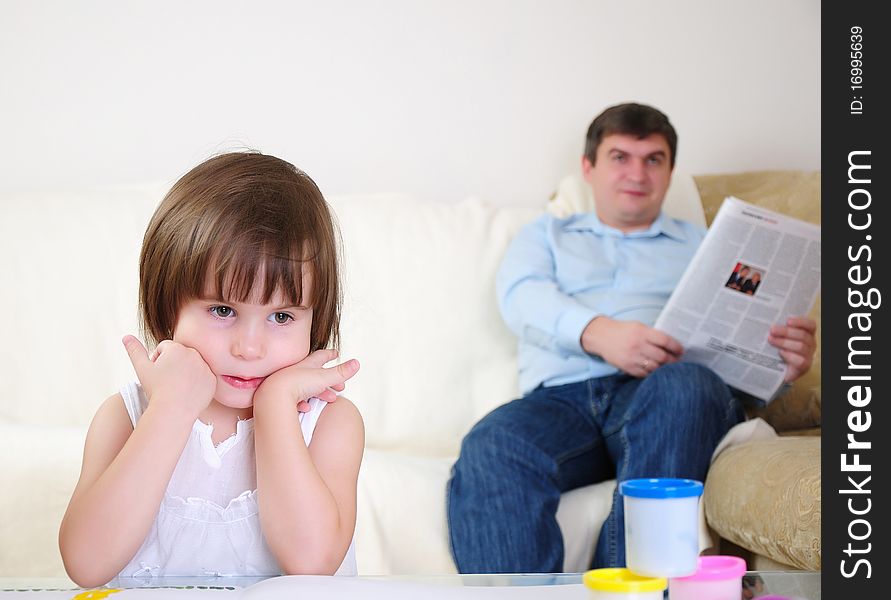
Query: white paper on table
x=312, y=587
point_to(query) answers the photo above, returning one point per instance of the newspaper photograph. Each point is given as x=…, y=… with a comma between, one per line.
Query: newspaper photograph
x=755, y=268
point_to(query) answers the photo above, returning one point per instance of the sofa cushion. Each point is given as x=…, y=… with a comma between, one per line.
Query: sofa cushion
x=574, y=195
x=38, y=472
x=765, y=497
x=401, y=516
x=420, y=314
x=71, y=262
x=797, y=194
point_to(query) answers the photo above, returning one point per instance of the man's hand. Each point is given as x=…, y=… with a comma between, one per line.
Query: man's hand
x=173, y=374
x=630, y=345
x=796, y=343
x=309, y=379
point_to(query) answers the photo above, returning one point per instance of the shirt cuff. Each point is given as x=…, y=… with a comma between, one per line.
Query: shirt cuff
x=571, y=324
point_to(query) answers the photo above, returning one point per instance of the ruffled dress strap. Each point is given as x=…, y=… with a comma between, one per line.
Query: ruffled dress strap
x=135, y=400
x=309, y=419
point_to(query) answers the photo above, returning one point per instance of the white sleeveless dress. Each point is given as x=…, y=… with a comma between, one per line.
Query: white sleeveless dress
x=209, y=521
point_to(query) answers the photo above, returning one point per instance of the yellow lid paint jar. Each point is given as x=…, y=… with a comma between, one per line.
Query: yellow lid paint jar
x=622, y=584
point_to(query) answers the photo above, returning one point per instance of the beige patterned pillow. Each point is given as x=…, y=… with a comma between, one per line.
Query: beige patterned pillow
x=795, y=193
x=765, y=496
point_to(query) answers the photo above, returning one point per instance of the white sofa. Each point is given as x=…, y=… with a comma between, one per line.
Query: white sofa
x=420, y=314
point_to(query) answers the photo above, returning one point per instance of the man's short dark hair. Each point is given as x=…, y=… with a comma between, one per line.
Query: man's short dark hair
x=630, y=119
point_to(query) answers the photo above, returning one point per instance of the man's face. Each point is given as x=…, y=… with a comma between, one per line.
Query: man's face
x=629, y=179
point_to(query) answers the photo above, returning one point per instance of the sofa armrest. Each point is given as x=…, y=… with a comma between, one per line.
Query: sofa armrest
x=765, y=497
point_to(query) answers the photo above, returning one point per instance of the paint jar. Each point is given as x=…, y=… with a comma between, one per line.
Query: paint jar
x=716, y=578
x=661, y=526
x=622, y=584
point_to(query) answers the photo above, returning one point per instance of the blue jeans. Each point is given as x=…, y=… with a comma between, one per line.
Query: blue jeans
x=515, y=463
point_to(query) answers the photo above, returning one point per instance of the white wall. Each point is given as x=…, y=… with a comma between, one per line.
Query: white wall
x=444, y=99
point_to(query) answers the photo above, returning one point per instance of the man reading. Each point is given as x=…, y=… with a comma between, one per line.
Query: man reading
x=603, y=393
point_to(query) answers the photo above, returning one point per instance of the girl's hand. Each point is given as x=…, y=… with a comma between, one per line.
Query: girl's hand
x=316, y=360
x=308, y=379
x=175, y=374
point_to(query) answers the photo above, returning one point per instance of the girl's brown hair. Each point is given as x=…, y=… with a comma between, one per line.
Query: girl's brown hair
x=229, y=220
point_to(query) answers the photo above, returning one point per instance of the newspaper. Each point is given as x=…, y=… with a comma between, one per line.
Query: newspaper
x=755, y=268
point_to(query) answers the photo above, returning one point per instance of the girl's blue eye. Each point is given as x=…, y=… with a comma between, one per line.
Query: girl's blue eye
x=223, y=312
x=281, y=318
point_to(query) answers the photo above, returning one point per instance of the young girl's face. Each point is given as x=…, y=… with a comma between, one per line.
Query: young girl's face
x=244, y=342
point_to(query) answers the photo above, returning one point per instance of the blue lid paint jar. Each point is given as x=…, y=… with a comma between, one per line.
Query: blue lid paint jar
x=661, y=526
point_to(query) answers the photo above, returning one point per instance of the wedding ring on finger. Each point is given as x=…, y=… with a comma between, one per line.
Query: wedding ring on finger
x=645, y=365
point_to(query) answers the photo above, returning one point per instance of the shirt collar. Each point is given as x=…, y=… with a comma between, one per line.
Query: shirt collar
x=663, y=225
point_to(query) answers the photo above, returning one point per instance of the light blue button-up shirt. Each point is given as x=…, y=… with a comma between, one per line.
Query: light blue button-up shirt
x=558, y=274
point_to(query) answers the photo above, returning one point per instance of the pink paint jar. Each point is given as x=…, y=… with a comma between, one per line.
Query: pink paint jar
x=716, y=578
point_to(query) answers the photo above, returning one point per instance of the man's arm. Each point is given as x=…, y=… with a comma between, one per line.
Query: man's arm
x=531, y=301
x=539, y=312
x=631, y=346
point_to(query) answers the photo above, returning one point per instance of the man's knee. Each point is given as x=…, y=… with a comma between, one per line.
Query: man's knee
x=489, y=443
x=496, y=448
x=684, y=387
x=687, y=374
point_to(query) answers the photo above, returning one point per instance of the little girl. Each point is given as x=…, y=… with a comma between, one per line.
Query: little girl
x=205, y=466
